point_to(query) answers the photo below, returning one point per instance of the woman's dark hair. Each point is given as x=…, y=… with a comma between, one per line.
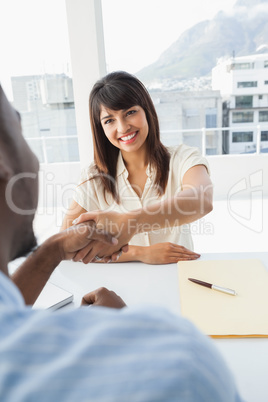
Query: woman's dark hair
x=116, y=91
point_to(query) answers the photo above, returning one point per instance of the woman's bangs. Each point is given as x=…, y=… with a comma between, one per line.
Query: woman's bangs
x=117, y=98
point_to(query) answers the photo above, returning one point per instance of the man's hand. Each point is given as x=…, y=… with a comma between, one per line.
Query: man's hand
x=122, y=226
x=84, y=236
x=103, y=297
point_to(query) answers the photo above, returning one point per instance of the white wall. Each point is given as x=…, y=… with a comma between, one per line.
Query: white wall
x=239, y=175
x=229, y=173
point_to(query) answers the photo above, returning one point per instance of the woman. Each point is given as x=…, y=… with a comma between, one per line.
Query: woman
x=133, y=170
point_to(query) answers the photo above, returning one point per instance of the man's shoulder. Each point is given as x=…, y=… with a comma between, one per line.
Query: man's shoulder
x=10, y=295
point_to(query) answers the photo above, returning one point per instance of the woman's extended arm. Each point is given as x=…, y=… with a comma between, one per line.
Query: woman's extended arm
x=190, y=204
x=160, y=253
x=74, y=211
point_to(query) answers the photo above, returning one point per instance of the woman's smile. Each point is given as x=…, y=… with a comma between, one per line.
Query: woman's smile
x=127, y=139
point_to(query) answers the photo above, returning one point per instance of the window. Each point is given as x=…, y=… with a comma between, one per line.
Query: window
x=243, y=136
x=211, y=117
x=243, y=66
x=48, y=121
x=264, y=136
x=243, y=101
x=265, y=63
x=247, y=84
x=263, y=115
x=40, y=84
x=211, y=120
x=265, y=82
x=260, y=96
x=243, y=117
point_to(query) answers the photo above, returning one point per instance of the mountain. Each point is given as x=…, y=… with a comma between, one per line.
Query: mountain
x=242, y=32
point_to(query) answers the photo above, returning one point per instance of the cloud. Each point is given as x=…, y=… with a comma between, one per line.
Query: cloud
x=249, y=12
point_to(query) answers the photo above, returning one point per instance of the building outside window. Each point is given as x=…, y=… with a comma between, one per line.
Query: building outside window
x=46, y=105
x=243, y=136
x=265, y=63
x=244, y=101
x=211, y=118
x=242, y=66
x=247, y=84
x=243, y=117
x=264, y=136
x=266, y=82
x=40, y=85
x=263, y=115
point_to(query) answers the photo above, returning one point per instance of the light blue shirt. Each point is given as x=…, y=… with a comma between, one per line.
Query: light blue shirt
x=100, y=354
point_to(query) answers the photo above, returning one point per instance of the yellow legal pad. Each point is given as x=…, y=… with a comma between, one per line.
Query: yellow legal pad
x=220, y=315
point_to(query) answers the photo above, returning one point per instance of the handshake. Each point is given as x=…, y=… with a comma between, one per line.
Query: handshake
x=97, y=236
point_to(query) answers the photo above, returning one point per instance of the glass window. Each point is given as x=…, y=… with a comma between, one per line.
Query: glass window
x=243, y=101
x=242, y=66
x=243, y=117
x=263, y=115
x=247, y=84
x=265, y=63
x=211, y=120
x=264, y=136
x=266, y=82
x=243, y=136
x=62, y=150
x=40, y=84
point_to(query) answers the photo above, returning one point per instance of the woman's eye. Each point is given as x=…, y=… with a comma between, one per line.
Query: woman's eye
x=108, y=121
x=131, y=112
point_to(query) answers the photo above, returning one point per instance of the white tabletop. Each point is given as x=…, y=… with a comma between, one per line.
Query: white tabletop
x=139, y=283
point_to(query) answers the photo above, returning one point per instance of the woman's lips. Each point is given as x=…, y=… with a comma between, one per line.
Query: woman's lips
x=129, y=137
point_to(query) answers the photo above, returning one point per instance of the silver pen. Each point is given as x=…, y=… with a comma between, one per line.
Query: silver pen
x=214, y=287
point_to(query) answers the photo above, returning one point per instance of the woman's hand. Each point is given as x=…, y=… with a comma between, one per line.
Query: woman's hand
x=119, y=225
x=166, y=253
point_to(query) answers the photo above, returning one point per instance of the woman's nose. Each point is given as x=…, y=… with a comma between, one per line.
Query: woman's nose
x=122, y=126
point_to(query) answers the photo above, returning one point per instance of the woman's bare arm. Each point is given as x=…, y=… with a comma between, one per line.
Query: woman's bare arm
x=74, y=211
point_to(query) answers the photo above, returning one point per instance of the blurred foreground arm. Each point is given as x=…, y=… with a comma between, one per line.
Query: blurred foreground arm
x=33, y=274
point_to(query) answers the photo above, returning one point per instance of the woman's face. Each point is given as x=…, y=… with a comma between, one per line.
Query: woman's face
x=126, y=129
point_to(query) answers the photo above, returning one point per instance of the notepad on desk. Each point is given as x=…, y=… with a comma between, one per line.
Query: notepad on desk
x=221, y=315
x=53, y=297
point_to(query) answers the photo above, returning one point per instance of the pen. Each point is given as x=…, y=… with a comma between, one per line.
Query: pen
x=214, y=287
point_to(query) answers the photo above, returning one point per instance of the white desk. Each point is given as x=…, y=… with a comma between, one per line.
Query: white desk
x=138, y=283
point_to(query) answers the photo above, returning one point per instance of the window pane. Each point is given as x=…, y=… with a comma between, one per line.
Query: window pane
x=263, y=115
x=38, y=79
x=264, y=136
x=243, y=117
x=243, y=101
x=241, y=66
x=247, y=84
x=211, y=118
x=62, y=150
x=37, y=147
x=246, y=136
